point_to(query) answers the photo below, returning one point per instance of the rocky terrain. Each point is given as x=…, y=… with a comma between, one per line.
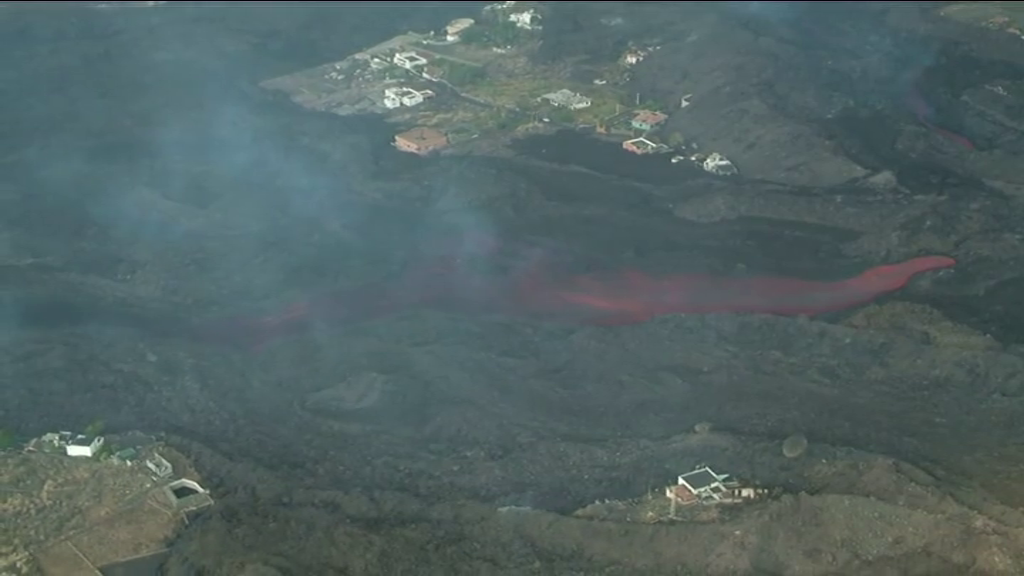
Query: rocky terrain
x=161, y=187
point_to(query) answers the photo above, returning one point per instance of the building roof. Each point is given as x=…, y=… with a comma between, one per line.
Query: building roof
x=459, y=24
x=681, y=493
x=700, y=479
x=650, y=118
x=422, y=136
x=641, y=143
x=83, y=441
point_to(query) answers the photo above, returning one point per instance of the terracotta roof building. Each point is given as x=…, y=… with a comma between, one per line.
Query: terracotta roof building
x=647, y=120
x=421, y=141
x=639, y=146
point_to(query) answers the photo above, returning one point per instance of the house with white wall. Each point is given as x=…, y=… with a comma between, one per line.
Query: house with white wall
x=409, y=60
x=527, y=20
x=84, y=446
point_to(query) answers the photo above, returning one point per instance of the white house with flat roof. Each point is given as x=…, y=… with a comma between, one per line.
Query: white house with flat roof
x=409, y=60
x=84, y=446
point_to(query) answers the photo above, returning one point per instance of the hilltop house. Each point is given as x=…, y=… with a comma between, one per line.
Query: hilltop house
x=706, y=486
x=647, y=120
x=84, y=446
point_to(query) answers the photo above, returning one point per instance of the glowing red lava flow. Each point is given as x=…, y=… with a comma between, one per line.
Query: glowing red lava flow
x=623, y=298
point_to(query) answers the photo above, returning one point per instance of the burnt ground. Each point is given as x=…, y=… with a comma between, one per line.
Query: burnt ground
x=146, y=182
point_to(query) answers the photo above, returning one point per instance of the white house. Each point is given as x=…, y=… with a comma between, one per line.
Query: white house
x=409, y=60
x=705, y=486
x=528, y=20
x=86, y=446
x=704, y=483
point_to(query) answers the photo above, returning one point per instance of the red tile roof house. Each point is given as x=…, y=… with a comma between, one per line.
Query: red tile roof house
x=421, y=141
x=646, y=120
x=639, y=146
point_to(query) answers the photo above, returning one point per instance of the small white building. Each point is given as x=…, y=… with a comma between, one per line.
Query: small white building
x=409, y=60
x=84, y=446
x=527, y=20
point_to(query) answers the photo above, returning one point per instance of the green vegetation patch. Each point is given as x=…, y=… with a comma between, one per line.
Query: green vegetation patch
x=7, y=440
x=460, y=74
x=494, y=34
x=606, y=103
x=991, y=14
x=515, y=92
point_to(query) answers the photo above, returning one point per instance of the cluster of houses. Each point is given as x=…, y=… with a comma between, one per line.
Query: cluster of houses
x=184, y=494
x=92, y=446
x=75, y=445
x=424, y=140
x=645, y=121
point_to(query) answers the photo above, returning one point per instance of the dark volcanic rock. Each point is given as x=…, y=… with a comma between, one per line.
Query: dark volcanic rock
x=162, y=189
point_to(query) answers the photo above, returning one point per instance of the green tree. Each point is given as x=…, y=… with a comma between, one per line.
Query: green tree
x=7, y=439
x=505, y=33
x=675, y=140
x=501, y=33
x=95, y=428
x=475, y=35
x=464, y=74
